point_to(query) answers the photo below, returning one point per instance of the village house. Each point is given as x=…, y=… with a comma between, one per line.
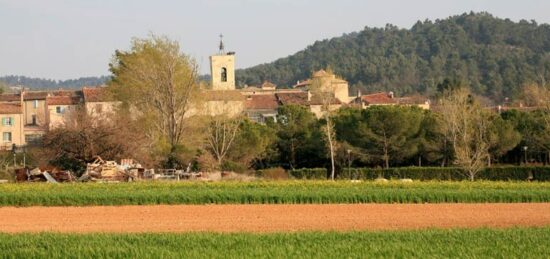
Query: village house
x=12, y=126
x=60, y=106
x=383, y=98
x=28, y=115
x=98, y=101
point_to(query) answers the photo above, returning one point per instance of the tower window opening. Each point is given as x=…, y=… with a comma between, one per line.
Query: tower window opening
x=224, y=74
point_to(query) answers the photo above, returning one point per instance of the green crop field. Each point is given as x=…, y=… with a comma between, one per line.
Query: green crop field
x=275, y=192
x=477, y=243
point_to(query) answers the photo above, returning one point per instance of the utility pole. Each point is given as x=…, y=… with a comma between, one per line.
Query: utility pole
x=349, y=162
x=13, y=147
x=525, y=152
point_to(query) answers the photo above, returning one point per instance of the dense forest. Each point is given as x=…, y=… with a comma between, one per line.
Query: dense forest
x=494, y=56
x=40, y=83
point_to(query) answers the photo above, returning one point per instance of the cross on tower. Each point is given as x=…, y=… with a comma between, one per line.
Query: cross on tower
x=221, y=44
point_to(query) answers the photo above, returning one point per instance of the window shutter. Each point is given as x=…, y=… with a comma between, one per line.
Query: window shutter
x=4, y=121
x=12, y=121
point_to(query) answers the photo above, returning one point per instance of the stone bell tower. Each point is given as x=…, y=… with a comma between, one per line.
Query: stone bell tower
x=222, y=69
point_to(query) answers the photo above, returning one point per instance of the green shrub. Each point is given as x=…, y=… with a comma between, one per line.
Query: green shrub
x=504, y=173
x=231, y=166
x=309, y=173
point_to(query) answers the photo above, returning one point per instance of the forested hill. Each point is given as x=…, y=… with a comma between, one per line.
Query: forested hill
x=40, y=83
x=495, y=56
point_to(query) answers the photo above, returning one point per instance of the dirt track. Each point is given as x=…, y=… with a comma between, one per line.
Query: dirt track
x=270, y=218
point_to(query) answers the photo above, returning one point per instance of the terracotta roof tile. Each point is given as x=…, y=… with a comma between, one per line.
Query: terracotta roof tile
x=96, y=94
x=10, y=98
x=261, y=102
x=63, y=100
x=38, y=95
x=293, y=98
x=10, y=108
x=378, y=98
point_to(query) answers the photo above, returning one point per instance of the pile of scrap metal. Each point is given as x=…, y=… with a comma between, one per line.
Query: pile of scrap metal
x=101, y=170
x=52, y=175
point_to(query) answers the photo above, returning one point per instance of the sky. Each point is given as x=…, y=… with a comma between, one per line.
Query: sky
x=64, y=39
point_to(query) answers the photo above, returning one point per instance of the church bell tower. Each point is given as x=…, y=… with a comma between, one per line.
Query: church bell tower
x=222, y=69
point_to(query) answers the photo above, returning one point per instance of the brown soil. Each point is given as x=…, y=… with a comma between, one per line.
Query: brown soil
x=271, y=218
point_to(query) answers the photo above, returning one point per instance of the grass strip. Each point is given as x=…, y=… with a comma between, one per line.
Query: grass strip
x=474, y=243
x=275, y=192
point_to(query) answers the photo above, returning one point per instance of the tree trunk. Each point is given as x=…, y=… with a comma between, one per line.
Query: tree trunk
x=331, y=147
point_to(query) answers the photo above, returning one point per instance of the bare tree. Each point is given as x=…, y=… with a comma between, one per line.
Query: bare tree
x=466, y=125
x=323, y=91
x=82, y=138
x=222, y=131
x=159, y=85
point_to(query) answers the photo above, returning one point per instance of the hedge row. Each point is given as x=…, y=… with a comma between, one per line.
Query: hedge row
x=309, y=173
x=505, y=173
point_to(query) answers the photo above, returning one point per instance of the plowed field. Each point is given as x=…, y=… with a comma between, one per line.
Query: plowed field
x=271, y=218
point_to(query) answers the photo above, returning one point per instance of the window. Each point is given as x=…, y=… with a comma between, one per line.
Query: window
x=35, y=104
x=7, y=121
x=6, y=136
x=224, y=74
x=33, y=139
x=59, y=109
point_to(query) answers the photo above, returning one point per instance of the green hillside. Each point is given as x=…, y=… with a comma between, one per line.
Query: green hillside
x=496, y=56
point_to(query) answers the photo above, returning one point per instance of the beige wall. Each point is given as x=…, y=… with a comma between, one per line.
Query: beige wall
x=101, y=108
x=39, y=111
x=58, y=119
x=214, y=108
x=217, y=62
x=16, y=130
x=341, y=92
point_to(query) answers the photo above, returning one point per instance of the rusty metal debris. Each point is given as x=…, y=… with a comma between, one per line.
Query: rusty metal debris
x=110, y=171
x=52, y=175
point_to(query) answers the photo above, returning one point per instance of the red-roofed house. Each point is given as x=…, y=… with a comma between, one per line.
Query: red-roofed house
x=11, y=127
x=384, y=98
x=98, y=101
x=60, y=105
x=261, y=107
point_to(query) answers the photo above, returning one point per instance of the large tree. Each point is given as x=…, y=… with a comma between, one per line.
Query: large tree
x=158, y=84
x=386, y=133
x=296, y=131
x=467, y=128
x=502, y=137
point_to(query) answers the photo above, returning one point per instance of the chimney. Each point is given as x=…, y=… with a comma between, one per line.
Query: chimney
x=390, y=94
x=358, y=92
x=308, y=95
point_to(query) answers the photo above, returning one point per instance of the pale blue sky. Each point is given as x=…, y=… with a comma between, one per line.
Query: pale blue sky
x=62, y=39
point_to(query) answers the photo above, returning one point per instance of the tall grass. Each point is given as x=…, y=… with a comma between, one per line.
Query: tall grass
x=478, y=243
x=288, y=192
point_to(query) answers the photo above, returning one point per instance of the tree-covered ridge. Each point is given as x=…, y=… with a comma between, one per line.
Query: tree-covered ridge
x=494, y=56
x=41, y=83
